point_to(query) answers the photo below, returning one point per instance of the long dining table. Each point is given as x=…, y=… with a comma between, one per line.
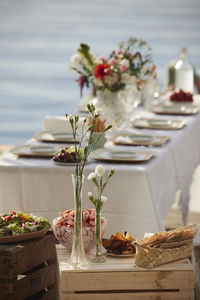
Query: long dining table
x=139, y=194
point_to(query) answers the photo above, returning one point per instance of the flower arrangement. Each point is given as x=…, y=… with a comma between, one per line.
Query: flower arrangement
x=98, y=201
x=82, y=151
x=130, y=64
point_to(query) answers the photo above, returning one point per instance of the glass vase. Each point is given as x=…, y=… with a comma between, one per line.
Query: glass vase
x=98, y=252
x=112, y=106
x=78, y=259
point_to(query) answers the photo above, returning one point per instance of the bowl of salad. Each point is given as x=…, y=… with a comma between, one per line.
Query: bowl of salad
x=18, y=226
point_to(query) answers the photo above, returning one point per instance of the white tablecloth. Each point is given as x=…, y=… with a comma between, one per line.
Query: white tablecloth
x=140, y=195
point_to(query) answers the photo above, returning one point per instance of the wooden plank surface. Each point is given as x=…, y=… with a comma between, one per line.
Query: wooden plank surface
x=108, y=281
x=120, y=264
x=132, y=296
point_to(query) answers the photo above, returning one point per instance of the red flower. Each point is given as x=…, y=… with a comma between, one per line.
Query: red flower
x=14, y=213
x=102, y=70
x=8, y=218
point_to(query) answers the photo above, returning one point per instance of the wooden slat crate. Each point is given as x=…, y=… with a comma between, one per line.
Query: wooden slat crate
x=196, y=261
x=119, y=278
x=28, y=270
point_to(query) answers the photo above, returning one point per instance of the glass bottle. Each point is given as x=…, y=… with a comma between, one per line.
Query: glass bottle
x=184, y=73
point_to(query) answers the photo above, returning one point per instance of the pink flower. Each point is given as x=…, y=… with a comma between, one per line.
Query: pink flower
x=114, y=78
x=123, y=68
x=129, y=55
x=117, y=52
x=101, y=57
x=112, y=61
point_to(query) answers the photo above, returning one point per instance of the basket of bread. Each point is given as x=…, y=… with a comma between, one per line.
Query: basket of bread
x=164, y=247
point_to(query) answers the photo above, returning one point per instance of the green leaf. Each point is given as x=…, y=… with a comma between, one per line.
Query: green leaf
x=91, y=139
x=84, y=52
x=85, y=151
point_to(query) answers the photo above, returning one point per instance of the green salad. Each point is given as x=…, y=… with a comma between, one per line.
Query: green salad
x=20, y=223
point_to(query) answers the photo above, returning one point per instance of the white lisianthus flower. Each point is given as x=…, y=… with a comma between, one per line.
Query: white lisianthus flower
x=75, y=60
x=91, y=176
x=100, y=171
x=90, y=194
x=104, y=199
x=98, y=111
x=125, y=62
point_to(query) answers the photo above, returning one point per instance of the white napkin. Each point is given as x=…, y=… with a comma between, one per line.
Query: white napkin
x=58, y=124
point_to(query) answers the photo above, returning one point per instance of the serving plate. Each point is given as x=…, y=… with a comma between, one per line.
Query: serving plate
x=43, y=149
x=140, y=140
x=59, y=163
x=55, y=137
x=175, y=109
x=120, y=255
x=22, y=237
x=34, y=151
x=165, y=124
x=122, y=156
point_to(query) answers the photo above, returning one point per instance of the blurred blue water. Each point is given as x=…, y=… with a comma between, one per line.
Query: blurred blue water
x=38, y=37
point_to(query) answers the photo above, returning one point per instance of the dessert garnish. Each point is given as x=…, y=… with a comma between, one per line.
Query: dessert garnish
x=17, y=223
x=120, y=244
x=181, y=96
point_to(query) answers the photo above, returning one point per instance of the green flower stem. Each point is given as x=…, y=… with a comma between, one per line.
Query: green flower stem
x=98, y=231
x=78, y=210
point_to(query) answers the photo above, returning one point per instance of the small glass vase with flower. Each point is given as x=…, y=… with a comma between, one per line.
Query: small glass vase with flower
x=78, y=259
x=97, y=253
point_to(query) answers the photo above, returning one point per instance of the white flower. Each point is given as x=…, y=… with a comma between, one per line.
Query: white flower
x=125, y=78
x=75, y=60
x=125, y=62
x=146, y=69
x=104, y=199
x=97, y=82
x=90, y=194
x=69, y=118
x=91, y=176
x=98, y=111
x=99, y=171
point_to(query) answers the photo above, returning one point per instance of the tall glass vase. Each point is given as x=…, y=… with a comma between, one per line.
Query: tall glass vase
x=98, y=252
x=78, y=259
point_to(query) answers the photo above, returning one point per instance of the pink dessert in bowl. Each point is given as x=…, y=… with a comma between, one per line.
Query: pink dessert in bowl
x=63, y=228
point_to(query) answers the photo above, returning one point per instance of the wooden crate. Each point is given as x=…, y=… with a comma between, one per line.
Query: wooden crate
x=196, y=261
x=119, y=278
x=28, y=270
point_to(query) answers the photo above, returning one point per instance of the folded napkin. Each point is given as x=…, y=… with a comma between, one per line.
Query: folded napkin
x=58, y=124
